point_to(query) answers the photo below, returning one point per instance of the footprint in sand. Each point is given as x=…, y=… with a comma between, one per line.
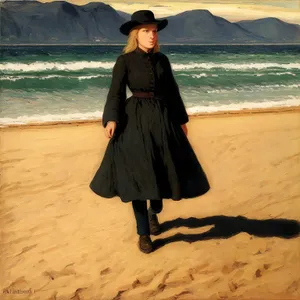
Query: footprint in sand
x=229, y=268
x=105, y=271
x=66, y=271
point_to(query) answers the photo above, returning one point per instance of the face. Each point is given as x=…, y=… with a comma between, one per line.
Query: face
x=147, y=36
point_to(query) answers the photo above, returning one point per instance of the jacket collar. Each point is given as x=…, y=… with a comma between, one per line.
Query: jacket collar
x=142, y=52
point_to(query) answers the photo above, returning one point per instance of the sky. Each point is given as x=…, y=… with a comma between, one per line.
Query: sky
x=232, y=10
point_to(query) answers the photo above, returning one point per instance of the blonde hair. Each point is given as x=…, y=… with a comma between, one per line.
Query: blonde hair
x=132, y=41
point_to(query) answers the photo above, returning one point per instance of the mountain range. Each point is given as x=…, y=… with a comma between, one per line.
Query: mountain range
x=61, y=22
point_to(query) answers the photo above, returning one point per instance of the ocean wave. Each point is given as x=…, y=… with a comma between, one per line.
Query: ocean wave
x=32, y=119
x=254, y=88
x=39, y=66
x=225, y=74
x=46, y=66
x=229, y=66
x=198, y=75
x=38, y=77
x=36, y=118
x=244, y=105
x=275, y=73
x=201, y=75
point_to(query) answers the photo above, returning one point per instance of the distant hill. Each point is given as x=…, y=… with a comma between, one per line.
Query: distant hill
x=58, y=22
x=273, y=29
x=201, y=26
x=124, y=15
x=96, y=22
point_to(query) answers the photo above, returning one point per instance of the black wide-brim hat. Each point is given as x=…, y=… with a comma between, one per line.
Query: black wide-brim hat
x=142, y=17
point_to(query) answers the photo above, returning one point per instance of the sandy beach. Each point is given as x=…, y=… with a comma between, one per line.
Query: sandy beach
x=239, y=241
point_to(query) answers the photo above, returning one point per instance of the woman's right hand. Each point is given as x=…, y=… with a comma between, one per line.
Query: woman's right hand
x=110, y=129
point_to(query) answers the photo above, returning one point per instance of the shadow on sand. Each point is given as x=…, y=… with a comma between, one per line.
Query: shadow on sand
x=225, y=227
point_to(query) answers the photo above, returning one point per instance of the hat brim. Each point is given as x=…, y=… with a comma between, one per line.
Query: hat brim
x=126, y=27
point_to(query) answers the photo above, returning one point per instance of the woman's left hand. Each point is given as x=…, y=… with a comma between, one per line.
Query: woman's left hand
x=184, y=128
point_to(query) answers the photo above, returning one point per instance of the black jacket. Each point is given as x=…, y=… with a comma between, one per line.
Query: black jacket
x=147, y=72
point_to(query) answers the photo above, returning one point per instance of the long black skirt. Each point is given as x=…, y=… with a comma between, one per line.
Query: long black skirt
x=149, y=157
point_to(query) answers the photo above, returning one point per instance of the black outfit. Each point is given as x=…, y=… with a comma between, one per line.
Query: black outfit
x=149, y=155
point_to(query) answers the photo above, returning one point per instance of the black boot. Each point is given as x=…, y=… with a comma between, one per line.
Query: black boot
x=154, y=225
x=145, y=243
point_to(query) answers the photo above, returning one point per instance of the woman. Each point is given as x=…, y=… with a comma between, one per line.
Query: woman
x=148, y=156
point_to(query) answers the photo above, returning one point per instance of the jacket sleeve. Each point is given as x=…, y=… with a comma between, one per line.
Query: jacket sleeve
x=117, y=93
x=176, y=104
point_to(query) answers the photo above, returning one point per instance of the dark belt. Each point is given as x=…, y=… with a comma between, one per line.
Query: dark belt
x=144, y=94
